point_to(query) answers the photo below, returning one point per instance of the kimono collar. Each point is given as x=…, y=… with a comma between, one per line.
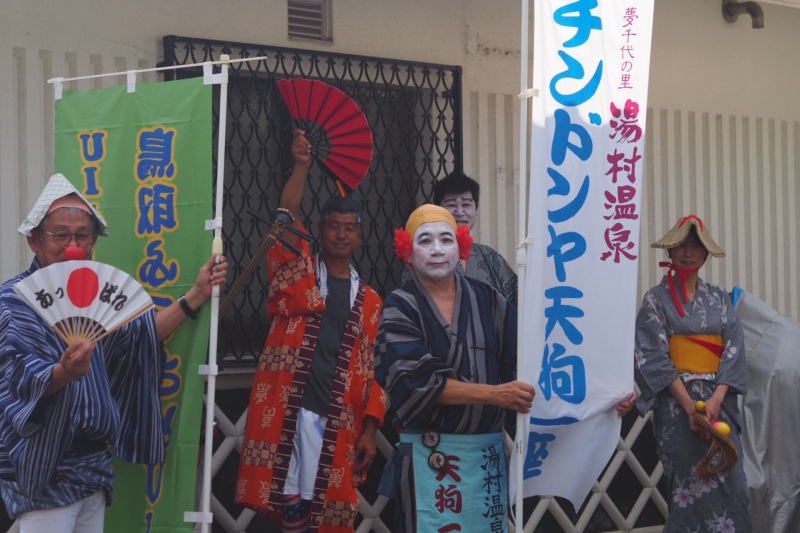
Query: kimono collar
x=460, y=283
x=35, y=265
x=322, y=280
x=683, y=274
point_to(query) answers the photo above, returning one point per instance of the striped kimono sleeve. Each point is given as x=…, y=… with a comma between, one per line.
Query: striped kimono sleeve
x=134, y=364
x=504, y=318
x=405, y=365
x=36, y=431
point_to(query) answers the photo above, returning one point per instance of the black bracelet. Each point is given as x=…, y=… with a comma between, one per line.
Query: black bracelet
x=191, y=313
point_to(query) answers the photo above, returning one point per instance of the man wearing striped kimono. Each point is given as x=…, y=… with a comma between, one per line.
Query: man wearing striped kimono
x=63, y=407
x=447, y=348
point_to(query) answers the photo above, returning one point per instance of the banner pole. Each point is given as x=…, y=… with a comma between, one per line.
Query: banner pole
x=216, y=249
x=522, y=233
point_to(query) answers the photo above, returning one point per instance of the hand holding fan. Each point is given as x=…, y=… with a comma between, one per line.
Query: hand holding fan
x=84, y=300
x=335, y=126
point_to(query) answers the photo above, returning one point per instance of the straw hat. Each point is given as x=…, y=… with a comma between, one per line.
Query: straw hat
x=680, y=231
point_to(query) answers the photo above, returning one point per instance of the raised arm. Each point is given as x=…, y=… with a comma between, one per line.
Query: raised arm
x=292, y=194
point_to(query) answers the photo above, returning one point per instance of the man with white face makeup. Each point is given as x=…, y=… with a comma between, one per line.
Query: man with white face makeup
x=447, y=357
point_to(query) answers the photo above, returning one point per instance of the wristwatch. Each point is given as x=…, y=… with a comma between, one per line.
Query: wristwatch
x=191, y=313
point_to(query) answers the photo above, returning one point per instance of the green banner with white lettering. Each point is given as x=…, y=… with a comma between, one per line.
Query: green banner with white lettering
x=144, y=159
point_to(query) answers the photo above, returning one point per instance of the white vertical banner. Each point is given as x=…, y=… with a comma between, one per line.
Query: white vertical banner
x=591, y=65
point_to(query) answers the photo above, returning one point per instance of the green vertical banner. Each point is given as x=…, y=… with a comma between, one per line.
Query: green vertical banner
x=143, y=158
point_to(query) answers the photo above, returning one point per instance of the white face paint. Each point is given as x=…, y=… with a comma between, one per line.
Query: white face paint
x=434, y=253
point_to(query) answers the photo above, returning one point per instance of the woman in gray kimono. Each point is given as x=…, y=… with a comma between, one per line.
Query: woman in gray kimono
x=690, y=347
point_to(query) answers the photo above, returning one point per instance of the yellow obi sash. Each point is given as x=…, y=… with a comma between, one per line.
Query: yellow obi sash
x=697, y=354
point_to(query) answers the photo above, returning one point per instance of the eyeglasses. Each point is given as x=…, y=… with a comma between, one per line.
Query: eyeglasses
x=436, y=459
x=63, y=238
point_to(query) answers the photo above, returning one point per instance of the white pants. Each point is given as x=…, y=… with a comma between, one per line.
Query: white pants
x=83, y=516
x=306, y=449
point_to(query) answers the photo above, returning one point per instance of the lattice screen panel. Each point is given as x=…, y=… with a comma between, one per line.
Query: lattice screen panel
x=626, y=498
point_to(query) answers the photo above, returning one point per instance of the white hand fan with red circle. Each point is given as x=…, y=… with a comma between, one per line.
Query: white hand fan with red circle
x=84, y=300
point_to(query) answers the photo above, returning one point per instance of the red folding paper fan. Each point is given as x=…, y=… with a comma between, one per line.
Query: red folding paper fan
x=335, y=126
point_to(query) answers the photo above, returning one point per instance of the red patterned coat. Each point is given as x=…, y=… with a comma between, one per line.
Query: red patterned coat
x=294, y=309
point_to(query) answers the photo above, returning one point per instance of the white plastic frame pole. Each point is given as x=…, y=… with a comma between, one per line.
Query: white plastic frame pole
x=61, y=81
x=216, y=249
x=522, y=253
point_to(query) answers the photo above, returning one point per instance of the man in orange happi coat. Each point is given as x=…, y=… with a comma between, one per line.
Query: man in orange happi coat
x=315, y=407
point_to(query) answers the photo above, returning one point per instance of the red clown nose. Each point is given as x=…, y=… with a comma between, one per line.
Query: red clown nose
x=74, y=253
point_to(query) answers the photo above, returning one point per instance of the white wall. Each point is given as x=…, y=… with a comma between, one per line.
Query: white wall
x=723, y=143
x=702, y=63
x=420, y=30
x=699, y=60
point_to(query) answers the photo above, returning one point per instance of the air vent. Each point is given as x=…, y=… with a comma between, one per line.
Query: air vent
x=310, y=20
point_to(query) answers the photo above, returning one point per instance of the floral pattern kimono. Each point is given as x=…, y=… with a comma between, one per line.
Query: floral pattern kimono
x=717, y=504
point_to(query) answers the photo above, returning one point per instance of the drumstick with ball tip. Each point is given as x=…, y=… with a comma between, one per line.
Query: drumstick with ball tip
x=719, y=432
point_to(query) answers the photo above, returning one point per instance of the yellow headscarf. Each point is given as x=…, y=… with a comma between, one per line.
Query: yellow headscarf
x=428, y=213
